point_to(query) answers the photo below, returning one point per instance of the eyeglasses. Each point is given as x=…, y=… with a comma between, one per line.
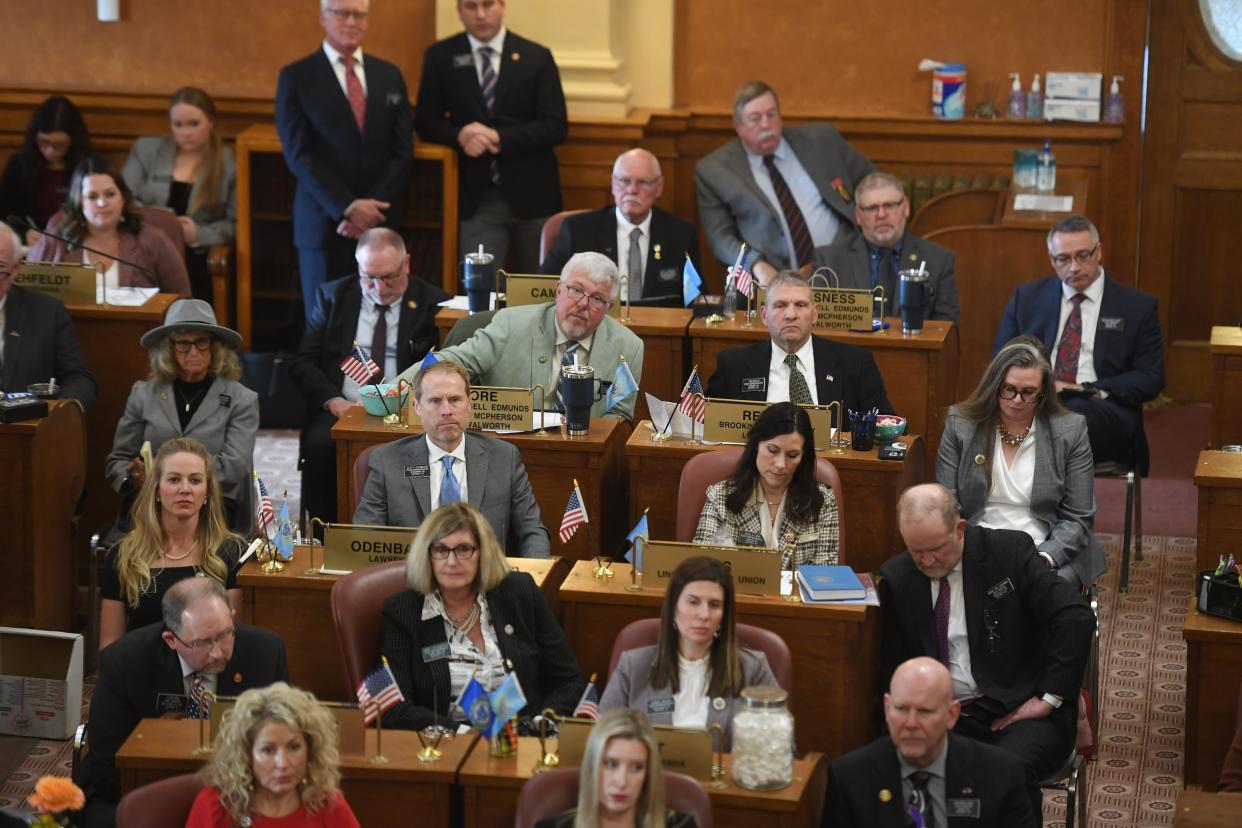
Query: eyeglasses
x=462, y=552
x=1028, y=395
x=596, y=300
x=756, y=118
x=624, y=182
x=182, y=346
x=55, y=146
x=388, y=279
x=204, y=643
x=1082, y=256
x=887, y=206
x=348, y=14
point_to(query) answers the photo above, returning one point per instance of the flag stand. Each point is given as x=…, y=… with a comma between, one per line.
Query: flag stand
x=883, y=299
x=379, y=758
x=547, y=759
x=662, y=434
x=693, y=421
x=625, y=318
x=838, y=444
x=750, y=319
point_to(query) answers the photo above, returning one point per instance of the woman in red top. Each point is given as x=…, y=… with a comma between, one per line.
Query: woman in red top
x=275, y=764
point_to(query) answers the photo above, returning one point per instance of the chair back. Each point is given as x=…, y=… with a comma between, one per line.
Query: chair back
x=959, y=207
x=357, y=599
x=991, y=261
x=550, y=228
x=710, y=467
x=162, y=804
x=465, y=327
x=362, y=470
x=166, y=221
x=556, y=791
x=646, y=631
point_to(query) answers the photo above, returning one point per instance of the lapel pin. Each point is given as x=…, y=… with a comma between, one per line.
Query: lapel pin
x=412, y=305
x=886, y=795
x=514, y=56
x=967, y=791
x=237, y=677
x=913, y=257
x=980, y=459
x=657, y=252
x=839, y=186
x=164, y=396
x=829, y=377
x=508, y=629
x=718, y=704
x=542, y=360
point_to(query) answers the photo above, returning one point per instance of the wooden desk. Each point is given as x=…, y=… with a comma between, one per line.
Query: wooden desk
x=868, y=503
x=108, y=337
x=834, y=647
x=1226, y=349
x=920, y=372
x=665, y=355
x=44, y=468
x=1200, y=809
x=1213, y=676
x=1218, y=476
x=490, y=788
x=1076, y=188
x=298, y=607
x=597, y=460
x=378, y=794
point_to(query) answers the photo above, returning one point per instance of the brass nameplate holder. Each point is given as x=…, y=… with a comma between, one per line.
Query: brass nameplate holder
x=839, y=307
x=501, y=409
x=351, y=546
x=684, y=750
x=348, y=723
x=755, y=570
x=729, y=421
x=534, y=289
x=73, y=284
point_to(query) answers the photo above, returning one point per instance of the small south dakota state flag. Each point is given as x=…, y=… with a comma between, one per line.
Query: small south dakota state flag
x=639, y=531
x=691, y=283
x=476, y=705
x=507, y=701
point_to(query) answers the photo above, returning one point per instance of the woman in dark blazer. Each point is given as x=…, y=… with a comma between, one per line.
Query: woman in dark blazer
x=1016, y=459
x=695, y=672
x=36, y=177
x=466, y=613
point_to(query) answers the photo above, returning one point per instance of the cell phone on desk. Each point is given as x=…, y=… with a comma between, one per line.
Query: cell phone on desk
x=1070, y=393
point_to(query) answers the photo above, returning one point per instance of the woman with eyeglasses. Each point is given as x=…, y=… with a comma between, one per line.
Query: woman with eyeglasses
x=36, y=178
x=1016, y=459
x=193, y=390
x=178, y=532
x=467, y=614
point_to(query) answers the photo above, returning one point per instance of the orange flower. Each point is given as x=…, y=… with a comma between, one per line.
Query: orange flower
x=54, y=794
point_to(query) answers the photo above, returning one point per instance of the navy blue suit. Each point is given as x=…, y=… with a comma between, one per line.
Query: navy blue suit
x=1128, y=357
x=334, y=163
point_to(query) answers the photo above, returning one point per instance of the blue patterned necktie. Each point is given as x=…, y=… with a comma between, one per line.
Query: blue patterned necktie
x=450, y=491
x=567, y=359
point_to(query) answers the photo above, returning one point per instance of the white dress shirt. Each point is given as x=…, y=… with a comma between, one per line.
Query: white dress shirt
x=964, y=686
x=778, y=372
x=770, y=526
x=1008, y=505
x=337, y=61
x=624, y=229
x=464, y=658
x=368, y=315
x=1090, y=318
x=690, y=702
x=820, y=220
x=497, y=44
x=435, y=455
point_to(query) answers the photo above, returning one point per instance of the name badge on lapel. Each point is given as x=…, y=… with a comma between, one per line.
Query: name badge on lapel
x=166, y=703
x=226, y=401
x=657, y=706
x=967, y=808
x=1000, y=589
x=749, y=539
x=393, y=99
x=437, y=652
x=668, y=274
x=463, y=60
x=1112, y=323
x=754, y=383
x=417, y=471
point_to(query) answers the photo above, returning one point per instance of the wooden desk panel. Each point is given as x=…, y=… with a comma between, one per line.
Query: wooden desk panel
x=1218, y=476
x=1200, y=809
x=1213, y=676
x=834, y=648
x=378, y=794
x=868, y=503
x=920, y=372
x=597, y=460
x=490, y=788
x=1226, y=349
x=298, y=607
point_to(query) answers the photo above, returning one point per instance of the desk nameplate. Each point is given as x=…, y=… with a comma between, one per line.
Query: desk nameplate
x=349, y=547
x=349, y=723
x=534, y=289
x=755, y=570
x=501, y=409
x=729, y=421
x=843, y=309
x=70, y=283
x=684, y=750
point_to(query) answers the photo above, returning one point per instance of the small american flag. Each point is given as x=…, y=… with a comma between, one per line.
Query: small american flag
x=741, y=276
x=691, y=405
x=575, y=515
x=358, y=365
x=588, y=705
x=264, y=513
x=380, y=686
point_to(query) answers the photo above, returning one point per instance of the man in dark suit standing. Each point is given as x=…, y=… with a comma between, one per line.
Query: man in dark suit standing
x=794, y=366
x=648, y=244
x=921, y=767
x=171, y=669
x=38, y=340
x=348, y=138
x=1104, y=336
x=884, y=249
x=387, y=313
x=1014, y=637
x=411, y=477
x=497, y=98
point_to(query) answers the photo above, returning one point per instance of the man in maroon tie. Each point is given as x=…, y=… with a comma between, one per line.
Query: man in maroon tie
x=1014, y=637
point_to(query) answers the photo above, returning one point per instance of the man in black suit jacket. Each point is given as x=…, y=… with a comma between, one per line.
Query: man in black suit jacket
x=884, y=248
x=153, y=671
x=504, y=111
x=347, y=310
x=38, y=338
x=921, y=766
x=661, y=239
x=348, y=138
x=827, y=370
x=1015, y=637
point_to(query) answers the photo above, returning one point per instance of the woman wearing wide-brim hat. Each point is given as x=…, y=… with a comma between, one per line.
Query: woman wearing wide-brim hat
x=193, y=390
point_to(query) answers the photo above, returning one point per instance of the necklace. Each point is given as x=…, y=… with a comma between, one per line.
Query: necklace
x=465, y=623
x=182, y=556
x=188, y=403
x=1012, y=439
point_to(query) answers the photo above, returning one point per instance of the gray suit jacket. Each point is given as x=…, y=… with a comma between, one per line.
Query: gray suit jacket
x=226, y=422
x=630, y=686
x=517, y=348
x=851, y=261
x=1062, y=494
x=732, y=208
x=148, y=172
x=398, y=490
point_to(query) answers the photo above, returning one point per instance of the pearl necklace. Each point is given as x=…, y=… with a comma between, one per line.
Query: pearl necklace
x=464, y=625
x=1012, y=439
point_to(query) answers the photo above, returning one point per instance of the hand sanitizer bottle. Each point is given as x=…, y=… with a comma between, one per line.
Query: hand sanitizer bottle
x=1114, y=107
x=1046, y=169
x=1035, y=101
x=1016, y=110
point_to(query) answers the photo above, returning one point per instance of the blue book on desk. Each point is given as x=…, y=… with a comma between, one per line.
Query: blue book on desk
x=829, y=583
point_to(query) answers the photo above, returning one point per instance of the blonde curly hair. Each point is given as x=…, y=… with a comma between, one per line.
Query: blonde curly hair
x=229, y=770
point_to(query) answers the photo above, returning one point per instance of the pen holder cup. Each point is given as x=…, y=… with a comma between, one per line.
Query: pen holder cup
x=1220, y=595
x=862, y=433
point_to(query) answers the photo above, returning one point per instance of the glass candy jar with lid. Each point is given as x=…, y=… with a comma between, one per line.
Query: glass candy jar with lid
x=763, y=740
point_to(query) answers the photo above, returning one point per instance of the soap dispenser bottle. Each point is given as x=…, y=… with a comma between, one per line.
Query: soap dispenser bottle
x=1035, y=101
x=1114, y=107
x=1016, y=109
